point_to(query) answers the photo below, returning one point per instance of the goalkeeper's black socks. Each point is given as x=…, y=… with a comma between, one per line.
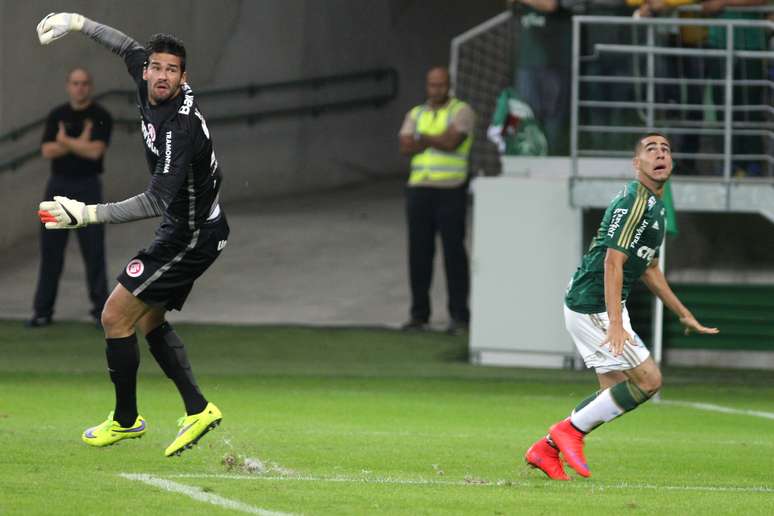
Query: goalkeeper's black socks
x=169, y=351
x=123, y=358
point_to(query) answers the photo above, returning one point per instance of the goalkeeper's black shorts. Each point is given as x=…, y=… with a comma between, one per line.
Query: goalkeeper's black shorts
x=164, y=273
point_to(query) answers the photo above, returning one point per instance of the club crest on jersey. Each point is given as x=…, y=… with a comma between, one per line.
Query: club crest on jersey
x=135, y=268
x=149, y=135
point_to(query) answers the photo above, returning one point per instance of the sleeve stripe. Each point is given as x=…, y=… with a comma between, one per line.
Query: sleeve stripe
x=642, y=208
x=632, y=221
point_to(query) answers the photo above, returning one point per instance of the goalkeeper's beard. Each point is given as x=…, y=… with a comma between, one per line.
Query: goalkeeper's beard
x=159, y=96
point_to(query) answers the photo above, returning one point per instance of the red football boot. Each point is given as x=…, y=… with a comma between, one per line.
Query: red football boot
x=545, y=457
x=569, y=440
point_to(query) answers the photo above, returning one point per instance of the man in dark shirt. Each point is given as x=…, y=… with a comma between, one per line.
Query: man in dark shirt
x=542, y=78
x=183, y=190
x=75, y=139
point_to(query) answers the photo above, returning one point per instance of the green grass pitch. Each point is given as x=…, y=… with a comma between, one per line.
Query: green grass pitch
x=324, y=421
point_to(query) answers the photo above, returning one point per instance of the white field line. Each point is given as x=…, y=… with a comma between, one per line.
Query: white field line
x=480, y=482
x=698, y=440
x=198, y=494
x=719, y=408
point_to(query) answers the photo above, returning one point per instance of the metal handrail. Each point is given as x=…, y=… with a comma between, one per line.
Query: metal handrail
x=702, y=155
x=253, y=117
x=678, y=130
x=250, y=117
x=702, y=22
x=629, y=79
x=696, y=8
x=663, y=106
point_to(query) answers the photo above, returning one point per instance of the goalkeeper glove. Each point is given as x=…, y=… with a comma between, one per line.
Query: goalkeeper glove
x=57, y=25
x=64, y=213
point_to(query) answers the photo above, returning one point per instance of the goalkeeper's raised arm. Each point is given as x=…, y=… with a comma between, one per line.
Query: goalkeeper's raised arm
x=58, y=25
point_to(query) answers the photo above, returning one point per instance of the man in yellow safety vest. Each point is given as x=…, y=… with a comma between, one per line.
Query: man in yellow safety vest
x=438, y=135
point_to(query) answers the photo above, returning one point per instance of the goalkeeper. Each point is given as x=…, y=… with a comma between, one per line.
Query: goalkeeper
x=184, y=183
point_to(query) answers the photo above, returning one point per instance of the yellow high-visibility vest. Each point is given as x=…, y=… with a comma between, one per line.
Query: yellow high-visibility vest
x=435, y=167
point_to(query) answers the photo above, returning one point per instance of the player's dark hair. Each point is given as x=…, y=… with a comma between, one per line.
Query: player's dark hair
x=166, y=44
x=638, y=145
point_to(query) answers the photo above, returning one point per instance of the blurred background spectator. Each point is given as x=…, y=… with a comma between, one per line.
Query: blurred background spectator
x=75, y=139
x=438, y=135
x=542, y=76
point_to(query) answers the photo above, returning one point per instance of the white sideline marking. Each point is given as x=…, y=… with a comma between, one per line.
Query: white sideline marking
x=479, y=482
x=704, y=440
x=197, y=494
x=719, y=408
x=310, y=478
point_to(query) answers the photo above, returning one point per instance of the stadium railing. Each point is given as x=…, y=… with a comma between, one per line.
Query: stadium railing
x=721, y=191
x=482, y=64
x=653, y=113
x=331, y=93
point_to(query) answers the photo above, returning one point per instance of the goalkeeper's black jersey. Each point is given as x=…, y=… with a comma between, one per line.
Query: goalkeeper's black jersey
x=185, y=177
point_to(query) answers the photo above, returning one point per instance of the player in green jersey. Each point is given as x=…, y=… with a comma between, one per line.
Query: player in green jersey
x=624, y=249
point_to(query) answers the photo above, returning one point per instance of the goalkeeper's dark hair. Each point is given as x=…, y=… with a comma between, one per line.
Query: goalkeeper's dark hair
x=638, y=145
x=166, y=44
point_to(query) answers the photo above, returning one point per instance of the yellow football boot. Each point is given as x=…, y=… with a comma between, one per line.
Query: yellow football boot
x=193, y=428
x=110, y=432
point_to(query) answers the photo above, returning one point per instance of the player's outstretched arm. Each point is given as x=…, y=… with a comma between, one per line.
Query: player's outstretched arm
x=656, y=282
x=64, y=213
x=58, y=25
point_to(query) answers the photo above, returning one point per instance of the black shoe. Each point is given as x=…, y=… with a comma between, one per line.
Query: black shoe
x=38, y=322
x=457, y=328
x=415, y=325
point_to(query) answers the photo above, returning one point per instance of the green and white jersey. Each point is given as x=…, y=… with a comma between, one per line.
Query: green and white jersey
x=633, y=224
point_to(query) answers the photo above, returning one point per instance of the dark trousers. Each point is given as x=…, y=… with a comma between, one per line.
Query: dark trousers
x=430, y=211
x=53, y=242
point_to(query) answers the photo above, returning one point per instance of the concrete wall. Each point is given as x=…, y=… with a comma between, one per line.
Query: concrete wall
x=232, y=43
x=525, y=247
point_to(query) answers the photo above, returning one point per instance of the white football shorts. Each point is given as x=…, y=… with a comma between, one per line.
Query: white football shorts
x=588, y=331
